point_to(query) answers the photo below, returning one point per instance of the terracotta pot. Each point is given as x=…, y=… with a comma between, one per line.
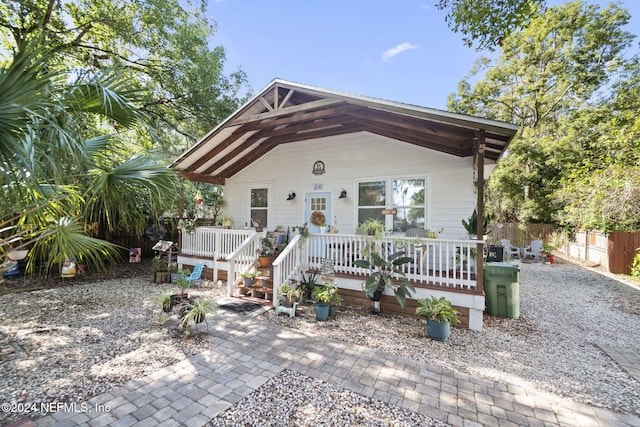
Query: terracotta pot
x=265, y=261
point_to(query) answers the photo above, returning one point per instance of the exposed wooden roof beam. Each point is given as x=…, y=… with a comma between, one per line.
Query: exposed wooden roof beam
x=198, y=177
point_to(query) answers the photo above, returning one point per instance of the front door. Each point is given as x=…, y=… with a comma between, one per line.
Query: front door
x=317, y=209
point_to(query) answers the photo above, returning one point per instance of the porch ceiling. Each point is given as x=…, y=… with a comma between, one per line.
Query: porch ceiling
x=286, y=112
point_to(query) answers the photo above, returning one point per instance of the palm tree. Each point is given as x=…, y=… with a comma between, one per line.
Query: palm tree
x=65, y=161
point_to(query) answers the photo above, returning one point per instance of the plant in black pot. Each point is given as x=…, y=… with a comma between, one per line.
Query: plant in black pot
x=195, y=311
x=385, y=273
x=183, y=284
x=439, y=314
x=164, y=301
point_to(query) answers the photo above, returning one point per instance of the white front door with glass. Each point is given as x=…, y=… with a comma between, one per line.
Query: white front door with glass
x=318, y=211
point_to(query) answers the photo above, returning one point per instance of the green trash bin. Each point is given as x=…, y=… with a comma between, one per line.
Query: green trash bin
x=502, y=289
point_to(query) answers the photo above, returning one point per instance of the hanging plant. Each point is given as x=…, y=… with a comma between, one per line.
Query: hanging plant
x=318, y=219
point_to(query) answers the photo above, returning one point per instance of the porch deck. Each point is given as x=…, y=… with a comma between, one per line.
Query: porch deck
x=439, y=267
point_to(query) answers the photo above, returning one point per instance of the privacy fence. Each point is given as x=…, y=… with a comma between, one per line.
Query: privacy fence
x=613, y=251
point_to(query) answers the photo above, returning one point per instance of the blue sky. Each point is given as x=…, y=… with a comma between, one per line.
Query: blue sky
x=396, y=50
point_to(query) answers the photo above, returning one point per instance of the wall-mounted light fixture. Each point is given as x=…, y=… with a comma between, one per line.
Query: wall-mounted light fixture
x=291, y=196
x=343, y=194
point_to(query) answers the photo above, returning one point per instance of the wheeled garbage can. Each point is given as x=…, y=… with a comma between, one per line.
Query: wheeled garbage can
x=502, y=289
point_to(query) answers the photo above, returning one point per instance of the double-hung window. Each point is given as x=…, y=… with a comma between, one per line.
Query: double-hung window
x=259, y=207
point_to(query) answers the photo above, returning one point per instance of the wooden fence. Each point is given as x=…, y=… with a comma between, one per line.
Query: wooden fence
x=623, y=247
x=520, y=235
x=614, y=251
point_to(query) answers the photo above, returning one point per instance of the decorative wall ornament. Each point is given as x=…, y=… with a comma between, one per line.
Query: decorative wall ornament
x=318, y=167
x=318, y=219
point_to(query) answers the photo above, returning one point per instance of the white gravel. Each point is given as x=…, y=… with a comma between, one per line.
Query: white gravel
x=73, y=342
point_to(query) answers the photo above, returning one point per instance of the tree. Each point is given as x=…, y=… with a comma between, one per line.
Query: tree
x=159, y=47
x=52, y=159
x=554, y=66
x=488, y=22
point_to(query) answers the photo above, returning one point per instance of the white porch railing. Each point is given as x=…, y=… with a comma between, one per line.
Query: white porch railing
x=214, y=242
x=447, y=264
x=242, y=259
x=440, y=262
x=288, y=265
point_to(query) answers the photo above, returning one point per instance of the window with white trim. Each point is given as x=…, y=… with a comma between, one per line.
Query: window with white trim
x=407, y=197
x=259, y=207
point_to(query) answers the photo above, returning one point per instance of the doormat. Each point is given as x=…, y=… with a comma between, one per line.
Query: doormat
x=237, y=305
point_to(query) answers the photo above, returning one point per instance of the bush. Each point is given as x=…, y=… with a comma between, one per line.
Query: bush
x=635, y=267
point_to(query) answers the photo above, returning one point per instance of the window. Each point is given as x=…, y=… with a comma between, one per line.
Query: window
x=259, y=206
x=407, y=198
x=371, y=200
x=409, y=202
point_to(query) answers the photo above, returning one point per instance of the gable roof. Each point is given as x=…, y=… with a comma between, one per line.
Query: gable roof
x=285, y=112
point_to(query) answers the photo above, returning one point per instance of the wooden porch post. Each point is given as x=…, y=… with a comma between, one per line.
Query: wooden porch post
x=180, y=213
x=480, y=203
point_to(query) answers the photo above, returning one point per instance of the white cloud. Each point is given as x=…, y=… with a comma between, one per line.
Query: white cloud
x=397, y=50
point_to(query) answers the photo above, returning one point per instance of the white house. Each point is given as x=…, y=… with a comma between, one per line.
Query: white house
x=295, y=149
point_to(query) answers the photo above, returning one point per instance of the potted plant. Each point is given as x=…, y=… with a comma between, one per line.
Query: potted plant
x=471, y=225
x=249, y=277
x=308, y=283
x=322, y=297
x=267, y=252
x=385, y=273
x=439, y=314
x=164, y=300
x=288, y=295
x=182, y=283
x=195, y=312
x=336, y=300
x=547, y=250
x=372, y=227
x=227, y=221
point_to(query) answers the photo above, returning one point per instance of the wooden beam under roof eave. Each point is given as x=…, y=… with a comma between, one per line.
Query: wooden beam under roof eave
x=198, y=177
x=286, y=111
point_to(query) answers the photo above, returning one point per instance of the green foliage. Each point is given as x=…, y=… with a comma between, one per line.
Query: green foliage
x=439, y=309
x=487, y=22
x=322, y=294
x=387, y=273
x=195, y=311
x=548, y=79
x=471, y=224
x=635, y=267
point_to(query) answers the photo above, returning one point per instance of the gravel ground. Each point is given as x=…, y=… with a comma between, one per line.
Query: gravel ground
x=69, y=343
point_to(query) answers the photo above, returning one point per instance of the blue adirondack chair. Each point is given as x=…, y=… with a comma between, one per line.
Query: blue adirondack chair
x=195, y=276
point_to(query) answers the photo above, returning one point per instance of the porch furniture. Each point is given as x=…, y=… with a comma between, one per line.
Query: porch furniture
x=512, y=251
x=195, y=276
x=534, y=250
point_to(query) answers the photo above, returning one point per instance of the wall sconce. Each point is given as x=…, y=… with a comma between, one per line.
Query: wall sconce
x=343, y=194
x=291, y=196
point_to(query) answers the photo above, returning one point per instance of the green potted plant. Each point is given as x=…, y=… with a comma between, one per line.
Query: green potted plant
x=249, y=277
x=322, y=297
x=471, y=225
x=164, y=301
x=308, y=283
x=439, y=314
x=288, y=295
x=336, y=300
x=182, y=283
x=385, y=273
x=195, y=312
x=372, y=227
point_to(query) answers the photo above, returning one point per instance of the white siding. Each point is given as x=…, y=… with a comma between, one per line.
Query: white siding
x=348, y=159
